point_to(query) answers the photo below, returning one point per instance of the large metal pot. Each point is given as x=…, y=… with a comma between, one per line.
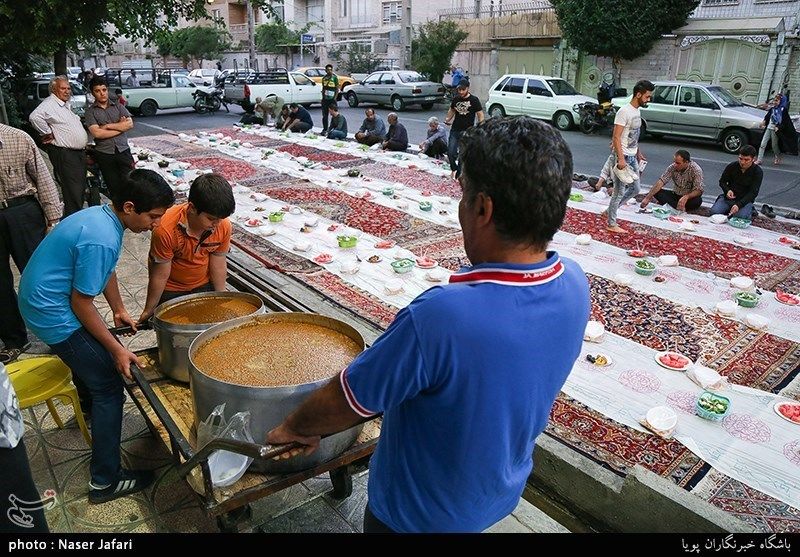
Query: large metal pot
x=174, y=339
x=268, y=406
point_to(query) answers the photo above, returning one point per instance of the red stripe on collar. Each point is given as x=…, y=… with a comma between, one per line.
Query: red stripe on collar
x=511, y=277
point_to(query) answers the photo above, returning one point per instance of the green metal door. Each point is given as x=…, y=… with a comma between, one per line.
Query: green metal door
x=735, y=64
x=533, y=60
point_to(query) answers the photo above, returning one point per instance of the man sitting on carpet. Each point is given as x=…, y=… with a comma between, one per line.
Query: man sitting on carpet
x=688, y=190
x=740, y=183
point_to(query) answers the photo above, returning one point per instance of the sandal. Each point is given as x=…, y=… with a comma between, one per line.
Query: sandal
x=8, y=355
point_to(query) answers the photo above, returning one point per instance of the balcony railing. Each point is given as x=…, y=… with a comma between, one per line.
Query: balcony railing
x=496, y=8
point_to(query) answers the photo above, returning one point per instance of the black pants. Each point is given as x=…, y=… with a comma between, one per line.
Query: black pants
x=374, y=526
x=326, y=104
x=671, y=198
x=22, y=227
x=452, y=150
x=436, y=149
x=69, y=166
x=369, y=140
x=172, y=294
x=393, y=145
x=17, y=480
x=115, y=169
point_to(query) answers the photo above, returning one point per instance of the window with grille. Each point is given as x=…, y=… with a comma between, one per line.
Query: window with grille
x=392, y=12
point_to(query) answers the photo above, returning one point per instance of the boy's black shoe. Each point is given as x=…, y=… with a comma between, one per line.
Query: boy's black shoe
x=129, y=481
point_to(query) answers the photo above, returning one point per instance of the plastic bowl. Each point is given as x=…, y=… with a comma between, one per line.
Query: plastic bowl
x=718, y=219
x=736, y=222
x=402, y=265
x=178, y=172
x=388, y=191
x=712, y=406
x=575, y=197
x=347, y=241
x=276, y=216
x=662, y=418
x=163, y=164
x=661, y=213
x=746, y=299
x=742, y=283
x=644, y=268
x=425, y=205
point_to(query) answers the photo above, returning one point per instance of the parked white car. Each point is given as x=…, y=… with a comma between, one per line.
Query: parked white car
x=539, y=96
x=160, y=89
x=204, y=76
x=292, y=87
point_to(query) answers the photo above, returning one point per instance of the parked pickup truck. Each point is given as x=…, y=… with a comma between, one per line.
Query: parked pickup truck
x=157, y=89
x=293, y=87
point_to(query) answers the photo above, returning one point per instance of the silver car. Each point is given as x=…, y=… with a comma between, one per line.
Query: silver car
x=700, y=111
x=397, y=89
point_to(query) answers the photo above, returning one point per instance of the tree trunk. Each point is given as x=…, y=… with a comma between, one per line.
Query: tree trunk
x=60, y=60
x=616, y=64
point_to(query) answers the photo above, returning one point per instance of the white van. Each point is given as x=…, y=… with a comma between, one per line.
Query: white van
x=292, y=87
x=539, y=96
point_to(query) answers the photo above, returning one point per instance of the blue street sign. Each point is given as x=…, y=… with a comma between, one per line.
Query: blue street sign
x=306, y=39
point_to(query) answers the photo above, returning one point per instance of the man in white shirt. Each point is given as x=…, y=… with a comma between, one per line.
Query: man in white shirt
x=65, y=142
x=628, y=156
x=132, y=80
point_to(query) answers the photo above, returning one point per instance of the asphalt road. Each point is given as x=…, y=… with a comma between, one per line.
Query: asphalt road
x=781, y=186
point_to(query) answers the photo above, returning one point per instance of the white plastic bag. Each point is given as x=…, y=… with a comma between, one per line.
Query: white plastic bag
x=226, y=467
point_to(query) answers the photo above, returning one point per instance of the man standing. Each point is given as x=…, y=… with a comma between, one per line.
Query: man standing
x=188, y=248
x=132, y=80
x=740, y=183
x=65, y=141
x=688, y=178
x=625, y=144
x=463, y=110
x=29, y=205
x=299, y=119
x=73, y=265
x=467, y=373
x=330, y=88
x=397, y=136
x=372, y=129
x=436, y=145
x=338, y=128
x=109, y=122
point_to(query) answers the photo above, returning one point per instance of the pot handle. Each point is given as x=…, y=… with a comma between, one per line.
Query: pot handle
x=128, y=330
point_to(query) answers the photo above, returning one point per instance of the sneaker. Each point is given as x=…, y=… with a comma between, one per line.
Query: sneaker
x=768, y=211
x=130, y=481
x=8, y=355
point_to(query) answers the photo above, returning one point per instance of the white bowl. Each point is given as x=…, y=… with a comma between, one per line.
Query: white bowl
x=312, y=221
x=624, y=279
x=393, y=286
x=662, y=418
x=743, y=240
x=594, y=331
x=687, y=226
x=302, y=246
x=668, y=260
x=349, y=267
x=259, y=197
x=756, y=321
x=583, y=239
x=436, y=275
x=241, y=189
x=182, y=187
x=718, y=219
x=295, y=210
x=742, y=283
x=402, y=204
x=726, y=307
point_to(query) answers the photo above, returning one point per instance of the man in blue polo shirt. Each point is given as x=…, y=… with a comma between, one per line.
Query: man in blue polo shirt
x=466, y=375
x=73, y=265
x=299, y=119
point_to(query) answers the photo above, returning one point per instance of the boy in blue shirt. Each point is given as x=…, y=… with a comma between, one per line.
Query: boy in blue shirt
x=73, y=265
x=466, y=375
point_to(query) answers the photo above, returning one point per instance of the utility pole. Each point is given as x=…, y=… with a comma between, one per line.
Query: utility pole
x=251, y=32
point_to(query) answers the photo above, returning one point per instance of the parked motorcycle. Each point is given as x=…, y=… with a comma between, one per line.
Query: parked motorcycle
x=599, y=115
x=209, y=99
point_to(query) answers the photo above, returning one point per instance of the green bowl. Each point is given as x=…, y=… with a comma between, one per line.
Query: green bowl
x=644, y=271
x=736, y=222
x=276, y=216
x=402, y=265
x=388, y=191
x=661, y=213
x=713, y=406
x=575, y=197
x=425, y=205
x=746, y=299
x=163, y=164
x=347, y=241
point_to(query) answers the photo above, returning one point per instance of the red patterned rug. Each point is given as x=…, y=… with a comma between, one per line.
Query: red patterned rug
x=413, y=178
x=232, y=169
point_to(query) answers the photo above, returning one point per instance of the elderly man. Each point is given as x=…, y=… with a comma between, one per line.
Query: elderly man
x=436, y=144
x=464, y=108
x=29, y=205
x=740, y=183
x=109, y=122
x=467, y=373
x=397, y=136
x=372, y=129
x=688, y=178
x=65, y=142
x=299, y=119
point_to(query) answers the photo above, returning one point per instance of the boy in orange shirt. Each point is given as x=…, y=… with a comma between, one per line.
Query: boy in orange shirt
x=187, y=250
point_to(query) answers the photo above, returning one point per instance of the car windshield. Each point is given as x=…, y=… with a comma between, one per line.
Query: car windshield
x=561, y=87
x=411, y=77
x=77, y=89
x=724, y=96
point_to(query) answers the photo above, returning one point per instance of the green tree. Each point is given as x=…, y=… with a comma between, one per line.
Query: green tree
x=198, y=43
x=625, y=30
x=355, y=58
x=54, y=27
x=433, y=46
x=270, y=36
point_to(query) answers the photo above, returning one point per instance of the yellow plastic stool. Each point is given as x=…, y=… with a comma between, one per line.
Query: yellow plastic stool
x=39, y=380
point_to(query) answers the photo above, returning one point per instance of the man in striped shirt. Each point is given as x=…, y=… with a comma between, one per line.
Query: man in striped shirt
x=65, y=141
x=29, y=205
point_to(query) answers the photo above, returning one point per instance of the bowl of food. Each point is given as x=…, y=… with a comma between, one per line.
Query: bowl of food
x=583, y=239
x=644, y=267
x=276, y=216
x=662, y=213
x=662, y=418
x=143, y=156
x=353, y=173
x=388, y=190
x=712, y=406
x=718, y=219
x=737, y=222
x=575, y=197
x=425, y=205
x=163, y=164
x=402, y=265
x=746, y=299
x=178, y=172
x=347, y=241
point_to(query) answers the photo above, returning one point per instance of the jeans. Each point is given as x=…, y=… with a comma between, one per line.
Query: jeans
x=95, y=374
x=769, y=135
x=326, y=104
x=622, y=192
x=671, y=198
x=337, y=134
x=300, y=127
x=722, y=206
x=452, y=150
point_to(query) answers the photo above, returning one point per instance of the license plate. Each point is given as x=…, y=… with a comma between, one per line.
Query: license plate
x=430, y=98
